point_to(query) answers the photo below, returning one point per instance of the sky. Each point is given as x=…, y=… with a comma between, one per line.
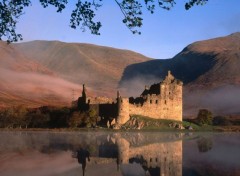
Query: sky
x=164, y=33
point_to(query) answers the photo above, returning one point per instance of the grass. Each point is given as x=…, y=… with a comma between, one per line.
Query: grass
x=162, y=124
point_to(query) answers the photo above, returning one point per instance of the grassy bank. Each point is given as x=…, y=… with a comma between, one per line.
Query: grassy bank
x=147, y=123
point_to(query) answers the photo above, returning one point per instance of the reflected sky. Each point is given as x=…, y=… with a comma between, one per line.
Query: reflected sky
x=168, y=154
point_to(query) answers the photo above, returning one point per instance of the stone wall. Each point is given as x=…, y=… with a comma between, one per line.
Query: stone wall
x=100, y=100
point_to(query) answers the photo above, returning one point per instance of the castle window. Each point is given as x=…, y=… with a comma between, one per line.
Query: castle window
x=150, y=159
x=169, y=93
x=156, y=101
x=165, y=102
x=150, y=101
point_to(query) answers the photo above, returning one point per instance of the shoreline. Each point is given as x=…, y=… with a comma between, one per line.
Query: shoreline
x=215, y=129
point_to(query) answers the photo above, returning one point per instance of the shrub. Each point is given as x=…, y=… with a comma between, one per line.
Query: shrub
x=77, y=119
x=204, y=117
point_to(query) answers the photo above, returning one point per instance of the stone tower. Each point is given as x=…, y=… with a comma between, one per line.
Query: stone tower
x=160, y=101
x=171, y=96
x=84, y=95
x=82, y=101
x=123, y=109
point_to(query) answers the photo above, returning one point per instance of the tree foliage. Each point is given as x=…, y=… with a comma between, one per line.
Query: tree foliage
x=204, y=117
x=14, y=117
x=83, y=14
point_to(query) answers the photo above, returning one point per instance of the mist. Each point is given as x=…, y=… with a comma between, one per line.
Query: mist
x=134, y=87
x=36, y=87
x=221, y=159
x=222, y=100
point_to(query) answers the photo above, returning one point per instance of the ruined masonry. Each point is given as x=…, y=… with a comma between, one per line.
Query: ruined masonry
x=159, y=101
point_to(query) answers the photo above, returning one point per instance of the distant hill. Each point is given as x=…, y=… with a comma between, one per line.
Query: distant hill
x=98, y=67
x=209, y=69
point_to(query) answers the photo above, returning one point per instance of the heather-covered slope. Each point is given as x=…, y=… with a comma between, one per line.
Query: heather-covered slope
x=26, y=82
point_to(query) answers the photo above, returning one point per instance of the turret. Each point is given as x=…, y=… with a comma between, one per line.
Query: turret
x=123, y=109
x=82, y=101
x=84, y=93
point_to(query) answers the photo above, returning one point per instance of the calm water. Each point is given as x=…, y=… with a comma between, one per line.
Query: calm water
x=115, y=154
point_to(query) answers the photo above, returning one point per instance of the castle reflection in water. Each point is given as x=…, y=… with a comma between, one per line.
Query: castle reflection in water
x=162, y=158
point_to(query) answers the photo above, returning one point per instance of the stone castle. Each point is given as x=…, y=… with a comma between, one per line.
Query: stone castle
x=159, y=101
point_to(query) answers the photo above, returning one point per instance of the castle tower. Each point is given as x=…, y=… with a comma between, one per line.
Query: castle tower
x=82, y=101
x=84, y=95
x=123, y=109
x=171, y=98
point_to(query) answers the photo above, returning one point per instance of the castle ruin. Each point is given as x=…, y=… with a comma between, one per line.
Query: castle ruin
x=159, y=101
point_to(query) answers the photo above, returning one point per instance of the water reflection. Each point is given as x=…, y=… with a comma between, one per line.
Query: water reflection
x=160, y=158
x=100, y=153
x=204, y=144
x=82, y=155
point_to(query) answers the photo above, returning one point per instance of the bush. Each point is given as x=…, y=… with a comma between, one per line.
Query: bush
x=14, y=117
x=83, y=119
x=39, y=119
x=204, y=117
x=77, y=119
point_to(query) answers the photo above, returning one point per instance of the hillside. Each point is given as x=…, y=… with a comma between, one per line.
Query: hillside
x=209, y=69
x=26, y=82
x=98, y=67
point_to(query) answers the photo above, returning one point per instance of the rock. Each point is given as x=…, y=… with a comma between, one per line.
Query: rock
x=189, y=128
x=113, y=122
x=117, y=126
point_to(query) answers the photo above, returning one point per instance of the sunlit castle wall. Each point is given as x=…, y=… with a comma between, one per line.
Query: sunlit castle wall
x=160, y=101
